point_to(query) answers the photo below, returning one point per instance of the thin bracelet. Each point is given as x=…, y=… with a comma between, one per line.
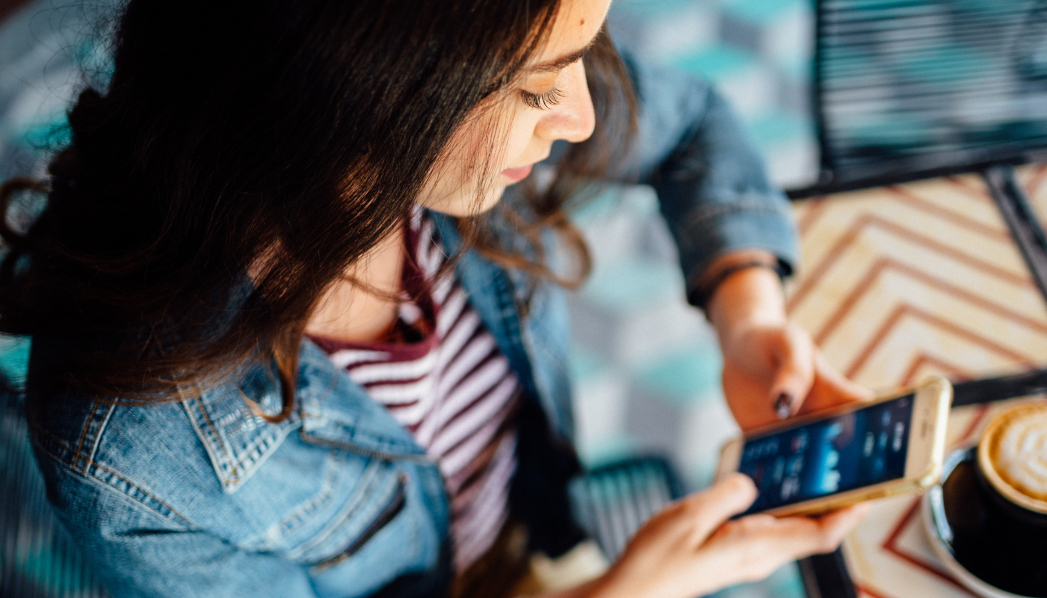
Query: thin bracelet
x=703, y=293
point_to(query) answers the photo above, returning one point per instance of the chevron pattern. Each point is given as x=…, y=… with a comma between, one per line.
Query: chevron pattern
x=903, y=282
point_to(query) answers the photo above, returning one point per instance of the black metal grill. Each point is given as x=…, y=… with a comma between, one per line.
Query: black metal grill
x=613, y=501
x=914, y=86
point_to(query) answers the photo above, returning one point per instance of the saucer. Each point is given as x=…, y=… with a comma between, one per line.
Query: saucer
x=940, y=532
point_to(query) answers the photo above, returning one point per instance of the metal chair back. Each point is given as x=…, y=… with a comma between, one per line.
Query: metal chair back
x=911, y=88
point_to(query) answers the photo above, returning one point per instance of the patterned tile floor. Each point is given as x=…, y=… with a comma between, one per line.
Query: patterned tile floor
x=758, y=53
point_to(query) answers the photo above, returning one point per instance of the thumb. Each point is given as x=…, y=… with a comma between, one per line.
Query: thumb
x=794, y=372
x=710, y=509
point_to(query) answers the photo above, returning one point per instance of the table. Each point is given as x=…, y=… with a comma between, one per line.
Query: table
x=904, y=281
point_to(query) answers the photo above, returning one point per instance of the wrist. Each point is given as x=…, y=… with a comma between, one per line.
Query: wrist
x=747, y=297
x=648, y=582
x=604, y=586
x=618, y=583
x=702, y=292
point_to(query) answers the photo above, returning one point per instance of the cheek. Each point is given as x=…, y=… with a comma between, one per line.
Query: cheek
x=462, y=159
x=457, y=167
x=520, y=134
x=489, y=143
x=458, y=176
x=471, y=164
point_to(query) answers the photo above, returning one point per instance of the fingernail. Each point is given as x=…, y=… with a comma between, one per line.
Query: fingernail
x=784, y=405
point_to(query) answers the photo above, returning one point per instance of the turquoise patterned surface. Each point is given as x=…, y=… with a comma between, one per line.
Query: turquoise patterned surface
x=757, y=51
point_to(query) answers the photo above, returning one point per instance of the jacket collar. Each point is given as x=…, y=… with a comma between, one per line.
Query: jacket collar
x=330, y=409
x=336, y=411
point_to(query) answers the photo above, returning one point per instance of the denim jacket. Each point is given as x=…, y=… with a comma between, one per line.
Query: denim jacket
x=202, y=497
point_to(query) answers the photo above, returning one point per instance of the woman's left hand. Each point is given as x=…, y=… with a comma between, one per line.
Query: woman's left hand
x=776, y=370
x=772, y=369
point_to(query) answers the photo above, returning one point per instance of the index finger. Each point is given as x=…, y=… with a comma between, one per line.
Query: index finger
x=756, y=545
x=831, y=388
x=795, y=371
x=821, y=534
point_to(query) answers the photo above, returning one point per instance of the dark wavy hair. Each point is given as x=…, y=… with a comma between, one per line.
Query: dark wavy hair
x=293, y=134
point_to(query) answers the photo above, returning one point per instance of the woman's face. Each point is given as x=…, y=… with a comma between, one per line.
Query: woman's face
x=547, y=102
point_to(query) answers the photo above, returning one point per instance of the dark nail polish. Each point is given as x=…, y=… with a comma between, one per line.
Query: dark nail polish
x=784, y=405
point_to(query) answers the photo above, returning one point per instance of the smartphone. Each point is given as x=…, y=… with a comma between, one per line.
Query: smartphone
x=831, y=459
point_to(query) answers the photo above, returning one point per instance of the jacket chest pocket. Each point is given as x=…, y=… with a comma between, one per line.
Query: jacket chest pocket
x=393, y=528
x=379, y=496
x=390, y=506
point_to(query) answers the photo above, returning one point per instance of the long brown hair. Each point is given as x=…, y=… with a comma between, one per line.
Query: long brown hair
x=229, y=129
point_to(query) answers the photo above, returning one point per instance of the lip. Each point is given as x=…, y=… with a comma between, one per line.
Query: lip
x=516, y=175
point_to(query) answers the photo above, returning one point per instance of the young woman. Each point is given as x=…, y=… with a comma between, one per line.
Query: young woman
x=296, y=310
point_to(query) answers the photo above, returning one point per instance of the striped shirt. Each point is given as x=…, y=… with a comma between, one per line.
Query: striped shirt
x=443, y=377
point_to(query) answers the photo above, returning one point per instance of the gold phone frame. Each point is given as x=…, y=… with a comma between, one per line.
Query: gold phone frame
x=924, y=454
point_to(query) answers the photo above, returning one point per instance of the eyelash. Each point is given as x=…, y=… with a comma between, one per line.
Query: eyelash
x=543, y=101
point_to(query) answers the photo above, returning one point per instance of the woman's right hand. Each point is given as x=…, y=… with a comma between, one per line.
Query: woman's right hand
x=692, y=549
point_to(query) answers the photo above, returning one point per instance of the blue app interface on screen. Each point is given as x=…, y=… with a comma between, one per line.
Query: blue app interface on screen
x=849, y=451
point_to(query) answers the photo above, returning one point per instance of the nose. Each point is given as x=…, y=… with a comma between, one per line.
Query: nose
x=573, y=118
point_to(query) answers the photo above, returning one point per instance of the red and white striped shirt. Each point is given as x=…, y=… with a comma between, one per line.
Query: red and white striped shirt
x=447, y=382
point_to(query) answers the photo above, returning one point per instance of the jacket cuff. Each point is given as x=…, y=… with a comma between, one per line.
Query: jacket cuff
x=719, y=229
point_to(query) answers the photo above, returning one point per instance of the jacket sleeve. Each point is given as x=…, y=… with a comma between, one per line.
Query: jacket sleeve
x=711, y=184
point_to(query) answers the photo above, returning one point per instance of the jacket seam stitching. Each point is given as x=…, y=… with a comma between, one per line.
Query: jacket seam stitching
x=260, y=444
x=699, y=215
x=228, y=457
x=101, y=430
x=326, y=492
x=388, y=512
x=256, y=450
x=83, y=434
x=85, y=474
x=359, y=449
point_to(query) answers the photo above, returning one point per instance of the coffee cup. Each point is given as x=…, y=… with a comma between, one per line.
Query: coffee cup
x=1012, y=457
x=990, y=511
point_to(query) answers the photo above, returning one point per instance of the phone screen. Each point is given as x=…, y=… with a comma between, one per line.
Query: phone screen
x=861, y=448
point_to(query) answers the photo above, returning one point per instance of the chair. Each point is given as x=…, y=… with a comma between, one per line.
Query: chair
x=908, y=89
x=611, y=502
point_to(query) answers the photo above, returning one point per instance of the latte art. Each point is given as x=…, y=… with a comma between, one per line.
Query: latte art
x=1013, y=455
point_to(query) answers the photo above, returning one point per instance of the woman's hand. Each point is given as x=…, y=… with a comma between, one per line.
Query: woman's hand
x=772, y=368
x=773, y=371
x=691, y=549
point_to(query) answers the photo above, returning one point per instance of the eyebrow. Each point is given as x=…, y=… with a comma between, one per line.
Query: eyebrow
x=563, y=61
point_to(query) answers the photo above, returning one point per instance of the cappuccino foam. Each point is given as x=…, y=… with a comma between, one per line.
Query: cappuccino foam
x=1015, y=455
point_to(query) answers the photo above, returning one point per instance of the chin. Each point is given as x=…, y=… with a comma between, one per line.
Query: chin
x=465, y=205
